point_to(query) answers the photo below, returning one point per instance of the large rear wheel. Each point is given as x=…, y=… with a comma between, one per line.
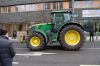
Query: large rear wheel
x=72, y=37
x=36, y=41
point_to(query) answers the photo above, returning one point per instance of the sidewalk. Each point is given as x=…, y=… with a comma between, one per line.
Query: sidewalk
x=14, y=40
x=95, y=38
x=87, y=39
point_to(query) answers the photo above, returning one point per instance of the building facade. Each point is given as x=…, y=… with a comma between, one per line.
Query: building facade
x=19, y=14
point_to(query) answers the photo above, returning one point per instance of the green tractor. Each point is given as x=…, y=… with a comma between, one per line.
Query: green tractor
x=69, y=34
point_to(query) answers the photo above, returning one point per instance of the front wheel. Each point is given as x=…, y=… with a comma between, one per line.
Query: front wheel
x=36, y=41
x=72, y=37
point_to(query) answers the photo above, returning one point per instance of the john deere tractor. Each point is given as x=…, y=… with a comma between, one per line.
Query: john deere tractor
x=69, y=34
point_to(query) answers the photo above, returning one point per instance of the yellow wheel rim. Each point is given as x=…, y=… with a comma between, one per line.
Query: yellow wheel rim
x=72, y=37
x=35, y=41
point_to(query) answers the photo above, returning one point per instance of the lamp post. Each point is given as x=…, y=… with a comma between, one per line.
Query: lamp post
x=73, y=5
x=73, y=9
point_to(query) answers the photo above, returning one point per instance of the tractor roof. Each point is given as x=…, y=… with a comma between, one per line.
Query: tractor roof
x=58, y=11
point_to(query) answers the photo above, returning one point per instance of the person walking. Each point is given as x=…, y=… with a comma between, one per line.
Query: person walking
x=7, y=51
x=14, y=34
x=91, y=35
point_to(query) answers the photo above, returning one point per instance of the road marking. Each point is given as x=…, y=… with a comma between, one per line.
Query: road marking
x=15, y=62
x=90, y=48
x=21, y=48
x=89, y=65
x=34, y=54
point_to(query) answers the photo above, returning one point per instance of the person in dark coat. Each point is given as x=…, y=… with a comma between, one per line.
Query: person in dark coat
x=14, y=34
x=7, y=52
x=91, y=35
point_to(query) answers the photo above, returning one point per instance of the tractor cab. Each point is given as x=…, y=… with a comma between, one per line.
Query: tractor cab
x=59, y=18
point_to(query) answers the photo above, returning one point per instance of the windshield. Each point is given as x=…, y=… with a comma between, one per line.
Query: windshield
x=61, y=17
x=67, y=17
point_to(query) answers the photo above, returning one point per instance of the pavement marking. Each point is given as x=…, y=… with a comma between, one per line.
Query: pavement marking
x=34, y=54
x=15, y=62
x=90, y=48
x=89, y=65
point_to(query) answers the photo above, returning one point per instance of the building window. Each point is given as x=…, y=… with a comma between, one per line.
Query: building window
x=38, y=7
x=99, y=2
x=60, y=5
x=9, y=9
x=4, y=9
x=55, y=5
x=22, y=8
x=83, y=4
x=65, y=5
x=13, y=9
x=87, y=4
x=47, y=6
x=91, y=3
x=28, y=7
x=42, y=6
x=33, y=7
x=16, y=8
x=95, y=4
x=0, y=9
x=76, y=4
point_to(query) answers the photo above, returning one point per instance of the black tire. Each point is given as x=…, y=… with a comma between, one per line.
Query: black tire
x=42, y=44
x=65, y=44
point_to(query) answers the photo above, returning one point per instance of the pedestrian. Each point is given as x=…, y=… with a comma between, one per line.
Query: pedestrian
x=91, y=35
x=14, y=34
x=7, y=51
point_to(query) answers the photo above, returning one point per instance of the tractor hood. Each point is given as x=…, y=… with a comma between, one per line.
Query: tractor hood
x=40, y=27
x=35, y=25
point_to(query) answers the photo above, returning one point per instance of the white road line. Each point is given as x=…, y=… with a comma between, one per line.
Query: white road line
x=35, y=54
x=90, y=48
x=28, y=54
x=89, y=65
x=15, y=62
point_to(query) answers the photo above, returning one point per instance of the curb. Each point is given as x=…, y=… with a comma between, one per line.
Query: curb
x=87, y=39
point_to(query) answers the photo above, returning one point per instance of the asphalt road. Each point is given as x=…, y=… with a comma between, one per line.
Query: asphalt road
x=89, y=54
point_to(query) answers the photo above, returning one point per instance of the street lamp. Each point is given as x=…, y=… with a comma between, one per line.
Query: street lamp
x=73, y=5
x=73, y=1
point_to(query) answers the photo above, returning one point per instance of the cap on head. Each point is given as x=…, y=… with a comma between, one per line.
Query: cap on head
x=3, y=32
